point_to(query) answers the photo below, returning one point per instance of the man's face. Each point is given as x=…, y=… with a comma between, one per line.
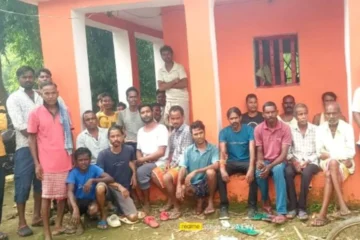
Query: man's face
x=107, y=103
x=132, y=98
x=176, y=119
x=327, y=100
x=288, y=105
x=116, y=138
x=27, y=80
x=50, y=94
x=44, y=77
x=301, y=116
x=161, y=99
x=332, y=114
x=83, y=161
x=270, y=114
x=90, y=121
x=198, y=135
x=234, y=120
x=146, y=115
x=157, y=113
x=252, y=105
x=120, y=108
x=167, y=56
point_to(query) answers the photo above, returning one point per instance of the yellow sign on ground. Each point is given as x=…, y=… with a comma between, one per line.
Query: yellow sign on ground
x=186, y=226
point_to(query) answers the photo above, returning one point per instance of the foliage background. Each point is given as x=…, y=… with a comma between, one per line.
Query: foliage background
x=20, y=44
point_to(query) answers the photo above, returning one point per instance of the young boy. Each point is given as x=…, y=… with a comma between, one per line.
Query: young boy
x=86, y=189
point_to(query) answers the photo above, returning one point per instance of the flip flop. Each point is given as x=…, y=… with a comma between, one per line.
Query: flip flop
x=113, y=221
x=248, y=230
x=319, y=222
x=209, y=211
x=174, y=215
x=102, y=224
x=141, y=215
x=25, y=231
x=164, y=216
x=127, y=221
x=259, y=216
x=58, y=232
x=279, y=219
x=151, y=222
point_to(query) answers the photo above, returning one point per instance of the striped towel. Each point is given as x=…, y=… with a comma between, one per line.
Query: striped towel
x=66, y=123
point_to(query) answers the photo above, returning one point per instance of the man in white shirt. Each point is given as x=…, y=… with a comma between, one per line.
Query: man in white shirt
x=173, y=80
x=93, y=137
x=19, y=104
x=336, y=149
x=151, y=148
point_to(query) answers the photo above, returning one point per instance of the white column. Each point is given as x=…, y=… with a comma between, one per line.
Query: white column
x=122, y=62
x=158, y=62
x=81, y=61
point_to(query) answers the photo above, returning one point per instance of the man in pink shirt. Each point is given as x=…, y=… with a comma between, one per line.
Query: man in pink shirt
x=51, y=147
x=272, y=139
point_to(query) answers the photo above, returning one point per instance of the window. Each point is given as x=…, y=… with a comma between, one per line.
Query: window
x=276, y=61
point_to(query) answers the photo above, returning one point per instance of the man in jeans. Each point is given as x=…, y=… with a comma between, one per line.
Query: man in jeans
x=237, y=155
x=302, y=159
x=19, y=105
x=272, y=139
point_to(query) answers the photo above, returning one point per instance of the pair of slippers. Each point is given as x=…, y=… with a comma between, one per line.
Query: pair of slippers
x=115, y=221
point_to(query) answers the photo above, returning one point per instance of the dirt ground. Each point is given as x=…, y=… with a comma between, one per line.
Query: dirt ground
x=169, y=230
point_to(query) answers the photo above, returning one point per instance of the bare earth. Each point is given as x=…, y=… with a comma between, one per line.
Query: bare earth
x=169, y=230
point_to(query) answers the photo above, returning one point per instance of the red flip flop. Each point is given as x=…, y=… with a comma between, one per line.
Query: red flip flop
x=164, y=216
x=151, y=222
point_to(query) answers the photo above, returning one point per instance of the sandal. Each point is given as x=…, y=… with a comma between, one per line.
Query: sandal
x=25, y=231
x=303, y=215
x=102, y=224
x=113, y=221
x=209, y=211
x=174, y=215
x=3, y=236
x=164, y=216
x=279, y=219
x=126, y=220
x=57, y=232
x=248, y=230
x=259, y=216
x=291, y=214
x=151, y=222
x=319, y=222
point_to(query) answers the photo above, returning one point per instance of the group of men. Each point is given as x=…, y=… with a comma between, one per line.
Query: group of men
x=121, y=151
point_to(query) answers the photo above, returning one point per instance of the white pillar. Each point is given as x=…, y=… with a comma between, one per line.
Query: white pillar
x=158, y=62
x=81, y=61
x=122, y=62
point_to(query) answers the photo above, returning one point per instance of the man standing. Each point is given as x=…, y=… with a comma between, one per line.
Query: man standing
x=288, y=107
x=19, y=105
x=3, y=158
x=173, y=80
x=161, y=99
x=336, y=149
x=252, y=117
x=93, y=137
x=151, y=148
x=302, y=159
x=107, y=117
x=156, y=108
x=272, y=139
x=86, y=189
x=118, y=162
x=237, y=155
x=165, y=176
x=130, y=117
x=197, y=174
x=50, y=141
x=44, y=75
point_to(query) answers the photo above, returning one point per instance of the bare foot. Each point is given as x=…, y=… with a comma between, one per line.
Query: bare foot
x=147, y=208
x=199, y=206
x=167, y=207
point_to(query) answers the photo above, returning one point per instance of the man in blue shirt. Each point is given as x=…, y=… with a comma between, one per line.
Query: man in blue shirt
x=237, y=155
x=86, y=189
x=197, y=174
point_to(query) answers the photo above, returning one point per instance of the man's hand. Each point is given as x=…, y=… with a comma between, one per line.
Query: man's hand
x=124, y=191
x=180, y=192
x=250, y=175
x=189, y=177
x=88, y=185
x=39, y=172
x=324, y=156
x=260, y=164
x=265, y=171
x=224, y=175
x=304, y=164
x=297, y=166
x=139, y=162
x=75, y=218
x=133, y=182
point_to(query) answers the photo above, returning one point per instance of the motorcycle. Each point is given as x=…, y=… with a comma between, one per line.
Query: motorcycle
x=8, y=137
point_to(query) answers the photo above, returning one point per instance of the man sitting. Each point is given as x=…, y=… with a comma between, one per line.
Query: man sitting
x=197, y=174
x=302, y=159
x=86, y=189
x=165, y=176
x=237, y=155
x=93, y=137
x=335, y=146
x=273, y=139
